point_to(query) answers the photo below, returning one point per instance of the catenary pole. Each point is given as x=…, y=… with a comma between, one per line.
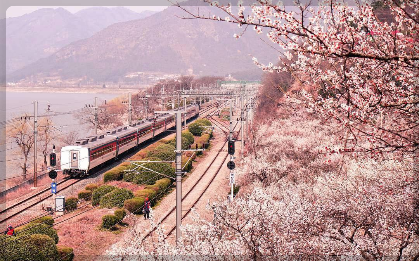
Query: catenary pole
x=96, y=118
x=178, y=173
x=230, y=138
x=184, y=105
x=35, y=145
x=129, y=109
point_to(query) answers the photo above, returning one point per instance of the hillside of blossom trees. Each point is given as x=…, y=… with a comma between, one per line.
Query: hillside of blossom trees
x=330, y=168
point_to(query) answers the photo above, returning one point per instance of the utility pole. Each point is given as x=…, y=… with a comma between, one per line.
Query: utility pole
x=129, y=110
x=230, y=138
x=35, y=149
x=241, y=120
x=184, y=105
x=178, y=173
x=96, y=117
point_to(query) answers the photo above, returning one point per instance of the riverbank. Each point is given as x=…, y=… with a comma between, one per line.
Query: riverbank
x=83, y=89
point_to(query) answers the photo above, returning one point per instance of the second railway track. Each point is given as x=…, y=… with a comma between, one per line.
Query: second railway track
x=212, y=165
x=45, y=194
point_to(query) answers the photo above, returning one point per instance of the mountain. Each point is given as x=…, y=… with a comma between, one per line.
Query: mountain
x=159, y=43
x=45, y=31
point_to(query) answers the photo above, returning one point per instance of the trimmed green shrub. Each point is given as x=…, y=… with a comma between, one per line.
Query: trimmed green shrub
x=65, y=253
x=115, y=198
x=120, y=214
x=144, y=193
x=163, y=152
x=71, y=204
x=116, y=173
x=195, y=129
x=91, y=187
x=42, y=246
x=85, y=195
x=109, y=221
x=37, y=228
x=134, y=205
x=47, y=220
x=163, y=183
x=144, y=176
x=187, y=135
x=100, y=192
x=28, y=248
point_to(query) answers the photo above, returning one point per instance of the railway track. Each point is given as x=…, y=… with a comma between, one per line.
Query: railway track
x=45, y=194
x=191, y=206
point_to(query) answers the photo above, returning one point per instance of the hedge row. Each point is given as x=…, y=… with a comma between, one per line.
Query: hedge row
x=164, y=152
x=29, y=247
x=47, y=220
x=116, y=173
x=115, y=198
x=145, y=176
x=34, y=241
x=37, y=228
x=100, y=192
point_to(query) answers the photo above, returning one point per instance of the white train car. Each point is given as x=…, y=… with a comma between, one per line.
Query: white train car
x=91, y=152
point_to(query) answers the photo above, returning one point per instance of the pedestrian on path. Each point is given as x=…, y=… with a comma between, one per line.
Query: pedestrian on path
x=146, y=208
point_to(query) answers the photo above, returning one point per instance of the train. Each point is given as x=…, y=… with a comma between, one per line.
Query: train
x=91, y=152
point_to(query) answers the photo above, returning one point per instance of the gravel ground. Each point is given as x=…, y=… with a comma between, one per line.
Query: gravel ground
x=218, y=190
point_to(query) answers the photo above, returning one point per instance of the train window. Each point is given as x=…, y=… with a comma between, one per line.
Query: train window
x=74, y=156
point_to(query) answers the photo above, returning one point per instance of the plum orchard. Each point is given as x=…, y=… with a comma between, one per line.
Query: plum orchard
x=355, y=68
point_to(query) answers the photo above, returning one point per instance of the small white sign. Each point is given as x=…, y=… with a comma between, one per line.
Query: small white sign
x=231, y=178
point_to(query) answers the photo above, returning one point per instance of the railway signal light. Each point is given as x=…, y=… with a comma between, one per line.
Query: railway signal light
x=52, y=159
x=231, y=148
x=52, y=174
x=231, y=165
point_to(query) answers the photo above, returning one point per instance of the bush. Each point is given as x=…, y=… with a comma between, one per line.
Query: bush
x=134, y=205
x=163, y=152
x=143, y=176
x=71, y=204
x=144, y=193
x=37, y=228
x=196, y=127
x=65, y=253
x=100, y=192
x=43, y=246
x=109, y=221
x=114, y=174
x=47, y=220
x=120, y=214
x=91, y=187
x=187, y=135
x=163, y=183
x=85, y=195
x=115, y=198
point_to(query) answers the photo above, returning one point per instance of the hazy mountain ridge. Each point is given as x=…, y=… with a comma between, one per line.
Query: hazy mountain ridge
x=162, y=42
x=45, y=31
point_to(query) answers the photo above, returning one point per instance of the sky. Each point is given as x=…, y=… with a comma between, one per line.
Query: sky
x=15, y=11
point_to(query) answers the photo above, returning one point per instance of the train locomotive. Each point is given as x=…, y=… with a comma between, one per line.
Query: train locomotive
x=88, y=153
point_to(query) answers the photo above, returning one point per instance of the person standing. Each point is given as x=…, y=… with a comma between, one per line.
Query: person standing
x=146, y=208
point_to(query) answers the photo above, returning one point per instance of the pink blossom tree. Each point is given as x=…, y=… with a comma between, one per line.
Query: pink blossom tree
x=363, y=69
